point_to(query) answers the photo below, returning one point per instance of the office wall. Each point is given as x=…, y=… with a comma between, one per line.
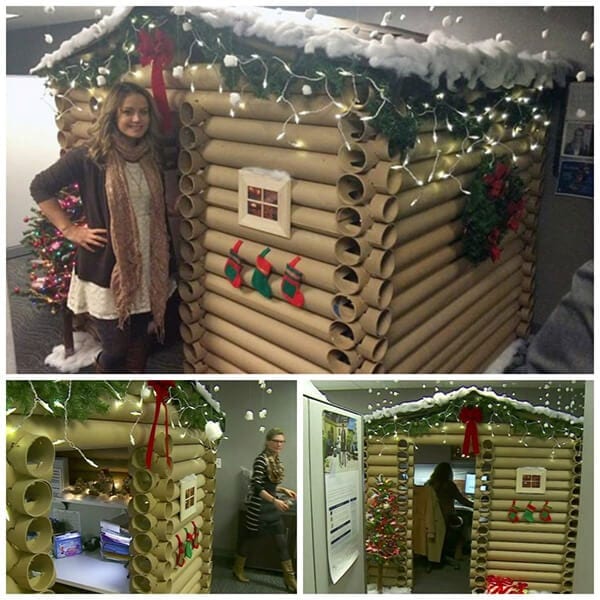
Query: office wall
x=243, y=442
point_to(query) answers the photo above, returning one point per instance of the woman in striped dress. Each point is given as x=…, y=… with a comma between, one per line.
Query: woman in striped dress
x=264, y=508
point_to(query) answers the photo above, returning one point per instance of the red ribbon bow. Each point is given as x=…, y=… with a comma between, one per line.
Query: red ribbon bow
x=161, y=390
x=157, y=47
x=470, y=416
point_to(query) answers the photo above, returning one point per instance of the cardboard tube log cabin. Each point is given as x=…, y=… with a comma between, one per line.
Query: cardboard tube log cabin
x=129, y=437
x=321, y=197
x=513, y=436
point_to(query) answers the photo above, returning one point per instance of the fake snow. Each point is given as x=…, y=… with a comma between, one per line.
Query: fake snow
x=86, y=349
x=494, y=63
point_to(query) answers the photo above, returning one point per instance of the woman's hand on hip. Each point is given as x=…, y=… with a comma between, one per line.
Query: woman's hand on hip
x=89, y=238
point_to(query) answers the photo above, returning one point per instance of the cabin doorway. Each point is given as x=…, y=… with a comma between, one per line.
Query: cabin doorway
x=449, y=575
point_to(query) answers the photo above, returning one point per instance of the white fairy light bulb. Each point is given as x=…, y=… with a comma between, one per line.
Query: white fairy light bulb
x=447, y=21
x=100, y=80
x=178, y=72
x=499, y=37
x=586, y=36
x=234, y=99
x=249, y=416
x=307, y=90
x=545, y=33
x=269, y=391
x=261, y=429
x=216, y=389
x=459, y=19
x=581, y=76
x=230, y=60
x=186, y=26
x=48, y=38
x=262, y=414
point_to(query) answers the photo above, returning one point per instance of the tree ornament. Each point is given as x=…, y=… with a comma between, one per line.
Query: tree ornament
x=260, y=276
x=233, y=265
x=290, y=283
x=513, y=512
x=545, y=515
x=528, y=513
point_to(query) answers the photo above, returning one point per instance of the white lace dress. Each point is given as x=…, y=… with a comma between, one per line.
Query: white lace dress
x=88, y=297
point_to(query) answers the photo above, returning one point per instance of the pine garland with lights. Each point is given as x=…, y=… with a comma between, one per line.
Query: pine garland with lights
x=384, y=529
x=54, y=255
x=193, y=408
x=521, y=421
x=495, y=204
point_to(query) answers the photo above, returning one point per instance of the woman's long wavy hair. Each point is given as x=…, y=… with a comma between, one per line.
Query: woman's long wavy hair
x=106, y=126
x=441, y=474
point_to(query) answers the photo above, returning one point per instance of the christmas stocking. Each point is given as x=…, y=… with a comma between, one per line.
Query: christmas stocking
x=260, y=277
x=233, y=266
x=528, y=513
x=189, y=543
x=290, y=285
x=513, y=513
x=545, y=513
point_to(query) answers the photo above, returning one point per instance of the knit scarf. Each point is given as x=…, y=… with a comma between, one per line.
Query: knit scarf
x=126, y=276
x=275, y=468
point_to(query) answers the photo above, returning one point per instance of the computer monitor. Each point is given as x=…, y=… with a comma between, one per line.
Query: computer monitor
x=470, y=484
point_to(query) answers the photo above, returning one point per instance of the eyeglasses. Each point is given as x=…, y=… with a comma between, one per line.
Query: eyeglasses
x=278, y=441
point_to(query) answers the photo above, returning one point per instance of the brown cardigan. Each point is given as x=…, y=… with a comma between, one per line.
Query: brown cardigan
x=77, y=167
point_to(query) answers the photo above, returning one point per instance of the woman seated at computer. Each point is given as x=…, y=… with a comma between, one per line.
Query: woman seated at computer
x=441, y=481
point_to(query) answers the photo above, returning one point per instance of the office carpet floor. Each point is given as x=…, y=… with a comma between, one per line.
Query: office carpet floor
x=36, y=331
x=261, y=582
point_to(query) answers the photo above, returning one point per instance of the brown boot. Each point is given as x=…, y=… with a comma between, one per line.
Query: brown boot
x=238, y=568
x=137, y=355
x=288, y=576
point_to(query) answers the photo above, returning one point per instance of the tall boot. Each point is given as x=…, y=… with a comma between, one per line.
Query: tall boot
x=288, y=576
x=238, y=568
x=98, y=365
x=137, y=355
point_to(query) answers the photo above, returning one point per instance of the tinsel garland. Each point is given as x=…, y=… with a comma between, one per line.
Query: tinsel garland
x=496, y=203
x=521, y=421
x=394, y=107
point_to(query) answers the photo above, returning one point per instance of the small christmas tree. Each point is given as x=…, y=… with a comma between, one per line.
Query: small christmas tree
x=385, y=532
x=54, y=255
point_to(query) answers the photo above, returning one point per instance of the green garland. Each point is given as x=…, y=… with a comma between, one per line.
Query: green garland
x=495, y=204
x=268, y=76
x=521, y=421
x=193, y=408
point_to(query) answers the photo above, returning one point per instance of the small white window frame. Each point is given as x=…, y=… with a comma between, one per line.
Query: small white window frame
x=188, y=499
x=264, y=180
x=523, y=472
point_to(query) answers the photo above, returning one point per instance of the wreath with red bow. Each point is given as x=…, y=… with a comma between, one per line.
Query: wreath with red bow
x=495, y=205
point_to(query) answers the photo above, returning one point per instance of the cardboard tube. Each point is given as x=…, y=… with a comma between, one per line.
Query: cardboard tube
x=166, y=489
x=191, y=251
x=345, y=335
x=311, y=324
x=165, y=510
x=348, y=308
x=382, y=235
x=378, y=293
x=29, y=535
x=190, y=313
x=507, y=462
x=477, y=301
x=306, y=243
x=383, y=148
x=297, y=342
x=312, y=166
x=81, y=129
x=195, y=352
x=552, y=496
x=203, y=77
x=522, y=557
x=351, y=251
x=312, y=138
x=193, y=136
x=190, y=206
x=376, y=322
x=350, y=280
x=34, y=572
x=343, y=361
x=357, y=158
x=302, y=217
x=353, y=220
x=189, y=162
x=142, y=523
x=386, y=178
x=314, y=273
x=146, y=563
x=373, y=348
x=30, y=454
x=380, y=263
x=317, y=109
x=523, y=575
x=354, y=189
x=426, y=146
x=423, y=222
x=355, y=129
x=192, y=112
x=191, y=183
x=477, y=278
x=190, y=290
x=192, y=332
x=191, y=271
x=384, y=208
x=304, y=193
x=32, y=497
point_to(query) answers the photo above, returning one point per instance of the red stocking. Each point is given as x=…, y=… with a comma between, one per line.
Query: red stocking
x=233, y=266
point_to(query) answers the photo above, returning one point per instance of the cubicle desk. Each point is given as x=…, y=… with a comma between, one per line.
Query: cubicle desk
x=263, y=553
x=88, y=572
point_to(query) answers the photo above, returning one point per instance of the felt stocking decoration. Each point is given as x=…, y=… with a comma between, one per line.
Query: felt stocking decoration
x=260, y=277
x=290, y=284
x=189, y=541
x=545, y=513
x=233, y=266
x=513, y=513
x=528, y=513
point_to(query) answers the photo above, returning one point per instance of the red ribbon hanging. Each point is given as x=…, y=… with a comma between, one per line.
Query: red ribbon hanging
x=180, y=554
x=161, y=391
x=196, y=536
x=470, y=415
x=157, y=47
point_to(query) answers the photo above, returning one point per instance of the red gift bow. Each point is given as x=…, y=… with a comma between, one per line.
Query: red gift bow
x=471, y=416
x=496, y=584
x=156, y=47
x=161, y=390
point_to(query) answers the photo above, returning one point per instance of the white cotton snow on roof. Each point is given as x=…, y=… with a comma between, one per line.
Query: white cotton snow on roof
x=490, y=62
x=440, y=400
